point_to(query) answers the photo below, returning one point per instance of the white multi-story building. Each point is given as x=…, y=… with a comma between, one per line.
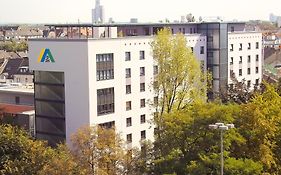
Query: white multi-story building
x=104, y=79
x=245, y=57
x=97, y=81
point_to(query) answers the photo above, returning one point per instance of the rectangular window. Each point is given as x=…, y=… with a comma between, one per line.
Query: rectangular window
x=240, y=60
x=249, y=83
x=232, y=29
x=143, y=135
x=142, y=55
x=155, y=70
x=190, y=30
x=191, y=49
x=249, y=58
x=257, y=70
x=129, y=122
x=142, y=87
x=105, y=101
x=104, y=66
x=155, y=101
x=231, y=60
x=257, y=57
x=127, y=56
x=240, y=46
x=183, y=30
x=128, y=72
x=142, y=71
x=249, y=46
x=142, y=103
x=231, y=47
x=257, y=45
x=142, y=119
x=129, y=138
x=257, y=81
x=128, y=89
x=249, y=71
x=240, y=72
x=128, y=105
x=202, y=50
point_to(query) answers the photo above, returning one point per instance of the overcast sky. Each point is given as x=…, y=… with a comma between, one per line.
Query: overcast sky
x=69, y=11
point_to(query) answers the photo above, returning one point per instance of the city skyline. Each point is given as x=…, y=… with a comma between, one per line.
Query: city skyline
x=32, y=11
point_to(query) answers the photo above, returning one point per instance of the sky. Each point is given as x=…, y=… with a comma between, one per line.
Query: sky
x=70, y=11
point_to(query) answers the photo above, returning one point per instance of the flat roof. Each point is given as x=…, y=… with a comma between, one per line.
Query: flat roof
x=138, y=24
x=20, y=90
x=16, y=109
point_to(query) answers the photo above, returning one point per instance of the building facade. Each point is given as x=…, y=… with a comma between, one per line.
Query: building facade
x=106, y=79
x=90, y=83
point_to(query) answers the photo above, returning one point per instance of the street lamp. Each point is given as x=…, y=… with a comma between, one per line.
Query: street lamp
x=222, y=127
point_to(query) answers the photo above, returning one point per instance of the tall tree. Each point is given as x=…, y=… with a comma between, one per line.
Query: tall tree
x=180, y=79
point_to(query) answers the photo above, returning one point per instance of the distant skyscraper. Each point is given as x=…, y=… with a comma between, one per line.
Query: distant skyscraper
x=98, y=13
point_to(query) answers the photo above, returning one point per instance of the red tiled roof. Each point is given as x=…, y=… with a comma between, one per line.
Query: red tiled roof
x=14, y=109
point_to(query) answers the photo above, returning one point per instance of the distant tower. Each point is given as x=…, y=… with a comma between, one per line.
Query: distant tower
x=98, y=13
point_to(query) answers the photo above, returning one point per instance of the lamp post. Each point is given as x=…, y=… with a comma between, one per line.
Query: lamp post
x=222, y=127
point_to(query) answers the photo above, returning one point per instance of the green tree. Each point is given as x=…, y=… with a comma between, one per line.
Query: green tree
x=259, y=124
x=19, y=154
x=179, y=80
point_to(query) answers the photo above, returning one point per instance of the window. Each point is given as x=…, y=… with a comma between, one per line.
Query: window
x=142, y=103
x=128, y=105
x=104, y=66
x=257, y=70
x=231, y=60
x=143, y=135
x=257, y=57
x=128, y=89
x=129, y=122
x=202, y=50
x=231, y=86
x=240, y=72
x=190, y=30
x=249, y=83
x=105, y=101
x=142, y=71
x=232, y=29
x=241, y=46
x=127, y=56
x=17, y=100
x=249, y=46
x=183, y=30
x=142, y=87
x=142, y=56
x=155, y=101
x=249, y=71
x=257, y=45
x=129, y=138
x=231, y=73
x=142, y=119
x=240, y=60
x=155, y=70
x=231, y=47
x=257, y=81
x=249, y=58
x=191, y=49
x=128, y=72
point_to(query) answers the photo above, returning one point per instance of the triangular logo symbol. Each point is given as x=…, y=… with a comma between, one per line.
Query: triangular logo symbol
x=46, y=56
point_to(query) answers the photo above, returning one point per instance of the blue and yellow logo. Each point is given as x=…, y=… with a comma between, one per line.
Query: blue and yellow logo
x=46, y=56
